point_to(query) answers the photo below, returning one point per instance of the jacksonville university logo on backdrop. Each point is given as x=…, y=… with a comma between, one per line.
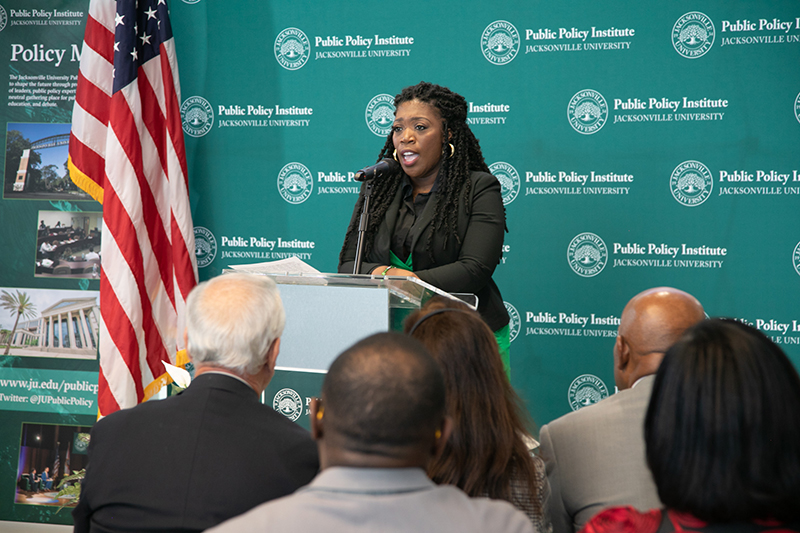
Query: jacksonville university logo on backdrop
x=3, y=18
x=514, y=322
x=691, y=183
x=586, y=389
x=500, y=42
x=80, y=443
x=797, y=107
x=693, y=35
x=587, y=111
x=796, y=258
x=380, y=114
x=508, y=177
x=295, y=183
x=197, y=116
x=292, y=48
x=288, y=403
x=587, y=254
x=205, y=246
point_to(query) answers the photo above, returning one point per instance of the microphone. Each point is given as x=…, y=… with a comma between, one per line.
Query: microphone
x=382, y=168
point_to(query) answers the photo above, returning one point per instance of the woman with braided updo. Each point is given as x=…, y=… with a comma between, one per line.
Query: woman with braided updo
x=441, y=217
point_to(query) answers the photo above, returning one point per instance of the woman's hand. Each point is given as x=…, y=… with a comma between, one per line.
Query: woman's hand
x=401, y=272
x=385, y=270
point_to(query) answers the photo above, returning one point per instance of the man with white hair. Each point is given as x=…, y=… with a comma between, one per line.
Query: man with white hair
x=213, y=451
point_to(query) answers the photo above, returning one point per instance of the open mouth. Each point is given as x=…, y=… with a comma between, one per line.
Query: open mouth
x=408, y=157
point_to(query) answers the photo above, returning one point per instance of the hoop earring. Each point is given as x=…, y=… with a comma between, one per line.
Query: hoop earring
x=394, y=155
x=452, y=149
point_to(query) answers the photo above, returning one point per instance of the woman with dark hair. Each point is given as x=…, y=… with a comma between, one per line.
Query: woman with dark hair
x=488, y=452
x=440, y=217
x=723, y=437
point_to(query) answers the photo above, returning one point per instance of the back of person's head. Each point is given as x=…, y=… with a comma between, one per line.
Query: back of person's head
x=723, y=426
x=383, y=396
x=656, y=318
x=486, y=449
x=232, y=320
x=651, y=322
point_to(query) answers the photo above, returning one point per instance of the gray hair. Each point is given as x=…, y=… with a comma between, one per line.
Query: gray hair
x=232, y=320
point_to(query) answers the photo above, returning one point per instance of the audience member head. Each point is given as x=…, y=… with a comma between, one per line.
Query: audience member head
x=723, y=426
x=234, y=322
x=382, y=405
x=651, y=322
x=487, y=448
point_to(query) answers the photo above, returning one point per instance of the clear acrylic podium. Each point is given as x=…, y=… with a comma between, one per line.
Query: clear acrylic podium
x=326, y=313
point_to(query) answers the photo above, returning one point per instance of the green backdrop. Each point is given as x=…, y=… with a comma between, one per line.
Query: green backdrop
x=638, y=145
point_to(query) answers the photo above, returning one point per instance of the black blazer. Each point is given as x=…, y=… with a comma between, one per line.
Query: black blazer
x=456, y=267
x=191, y=461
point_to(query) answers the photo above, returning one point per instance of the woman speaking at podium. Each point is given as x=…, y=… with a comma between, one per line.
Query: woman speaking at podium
x=439, y=218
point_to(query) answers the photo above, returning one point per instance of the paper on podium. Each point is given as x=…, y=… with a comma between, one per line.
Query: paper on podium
x=291, y=265
x=289, y=270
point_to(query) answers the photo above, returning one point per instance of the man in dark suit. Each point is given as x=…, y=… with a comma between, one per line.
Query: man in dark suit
x=595, y=457
x=35, y=481
x=188, y=462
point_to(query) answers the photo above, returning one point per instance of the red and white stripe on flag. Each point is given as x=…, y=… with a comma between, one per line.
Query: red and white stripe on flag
x=126, y=150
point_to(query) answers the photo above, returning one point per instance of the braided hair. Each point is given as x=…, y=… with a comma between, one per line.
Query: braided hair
x=454, y=170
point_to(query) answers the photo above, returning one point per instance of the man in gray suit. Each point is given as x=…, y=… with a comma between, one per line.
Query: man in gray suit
x=595, y=457
x=380, y=420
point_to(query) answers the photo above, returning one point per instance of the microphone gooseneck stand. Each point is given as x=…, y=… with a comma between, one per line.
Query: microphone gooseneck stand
x=362, y=227
x=381, y=169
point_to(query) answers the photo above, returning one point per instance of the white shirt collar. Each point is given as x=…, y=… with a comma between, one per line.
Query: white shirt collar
x=234, y=376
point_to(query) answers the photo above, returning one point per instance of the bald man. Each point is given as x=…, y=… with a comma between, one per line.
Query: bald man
x=595, y=457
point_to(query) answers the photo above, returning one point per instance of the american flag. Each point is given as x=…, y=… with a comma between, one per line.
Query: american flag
x=66, y=461
x=56, y=463
x=126, y=150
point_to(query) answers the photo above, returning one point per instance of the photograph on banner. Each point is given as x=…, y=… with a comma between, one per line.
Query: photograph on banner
x=48, y=453
x=49, y=323
x=68, y=244
x=36, y=163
